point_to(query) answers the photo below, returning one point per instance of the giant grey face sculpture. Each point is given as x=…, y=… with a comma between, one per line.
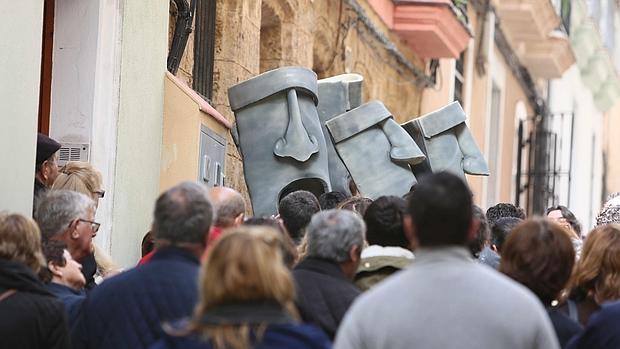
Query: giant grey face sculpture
x=338, y=94
x=375, y=149
x=280, y=136
x=447, y=142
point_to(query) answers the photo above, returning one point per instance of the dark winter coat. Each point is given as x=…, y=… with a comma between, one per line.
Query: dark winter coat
x=31, y=317
x=564, y=327
x=127, y=310
x=602, y=330
x=324, y=293
x=72, y=299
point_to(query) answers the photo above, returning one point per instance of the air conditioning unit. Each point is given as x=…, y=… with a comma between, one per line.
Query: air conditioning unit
x=72, y=152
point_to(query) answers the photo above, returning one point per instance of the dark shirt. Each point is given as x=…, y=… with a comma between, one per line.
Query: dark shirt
x=31, y=317
x=324, y=293
x=72, y=299
x=89, y=269
x=564, y=327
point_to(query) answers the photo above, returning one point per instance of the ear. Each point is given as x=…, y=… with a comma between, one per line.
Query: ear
x=410, y=232
x=44, y=169
x=473, y=229
x=72, y=230
x=54, y=269
x=239, y=219
x=355, y=253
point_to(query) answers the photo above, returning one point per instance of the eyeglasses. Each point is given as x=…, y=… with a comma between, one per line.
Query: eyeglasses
x=100, y=193
x=93, y=225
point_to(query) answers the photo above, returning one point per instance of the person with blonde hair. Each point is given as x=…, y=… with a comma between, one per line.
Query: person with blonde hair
x=596, y=277
x=83, y=178
x=246, y=299
x=31, y=316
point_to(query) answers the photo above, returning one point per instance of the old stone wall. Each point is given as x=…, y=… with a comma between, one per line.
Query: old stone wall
x=329, y=36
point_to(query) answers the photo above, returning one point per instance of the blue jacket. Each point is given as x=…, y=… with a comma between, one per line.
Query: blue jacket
x=127, y=310
x=602, y=331
x=281, y=336
x=72, y=299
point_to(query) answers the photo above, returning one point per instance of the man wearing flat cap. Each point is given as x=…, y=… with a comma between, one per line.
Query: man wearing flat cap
x=46, y=169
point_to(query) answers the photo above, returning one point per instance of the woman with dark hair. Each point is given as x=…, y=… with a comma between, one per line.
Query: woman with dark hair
x=539, y=255
x=246, y=299
x=564, y=217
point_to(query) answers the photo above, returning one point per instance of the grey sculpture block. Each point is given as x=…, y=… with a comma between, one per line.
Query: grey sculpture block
x=337, y=95
x=280, y=136
x=447, y=142
x=375, y=149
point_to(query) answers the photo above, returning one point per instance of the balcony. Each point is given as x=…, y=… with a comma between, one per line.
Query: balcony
x=431, y=28
x=534, y=30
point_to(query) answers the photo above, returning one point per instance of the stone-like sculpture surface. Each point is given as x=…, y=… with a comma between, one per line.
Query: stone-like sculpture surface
x=447, y=142
x=376, y=150
x=337, y=95
x=280, y=136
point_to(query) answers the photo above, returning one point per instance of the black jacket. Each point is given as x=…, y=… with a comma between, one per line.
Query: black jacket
x=564, y=327
x=323, y=293
x=31, y=317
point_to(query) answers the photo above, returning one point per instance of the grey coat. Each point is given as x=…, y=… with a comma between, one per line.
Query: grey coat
x=446, y=300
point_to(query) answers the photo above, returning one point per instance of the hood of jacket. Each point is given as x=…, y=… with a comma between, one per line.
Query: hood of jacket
x=18, y=276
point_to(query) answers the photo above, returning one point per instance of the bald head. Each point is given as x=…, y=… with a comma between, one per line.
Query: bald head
x=229, y=206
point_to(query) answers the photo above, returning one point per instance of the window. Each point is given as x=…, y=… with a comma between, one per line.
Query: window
x=459, y=79
x=204, y=45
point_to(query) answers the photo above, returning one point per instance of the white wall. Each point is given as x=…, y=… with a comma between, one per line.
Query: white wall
x=74, y=59
x=583, y=194
x=138, y=149
x=21, y=25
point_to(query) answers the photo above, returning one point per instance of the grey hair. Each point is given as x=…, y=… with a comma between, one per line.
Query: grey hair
x=56, y=209
x=183, y=214
x=332, y=233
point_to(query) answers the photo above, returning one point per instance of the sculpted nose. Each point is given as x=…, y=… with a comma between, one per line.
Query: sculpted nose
x=296, y=143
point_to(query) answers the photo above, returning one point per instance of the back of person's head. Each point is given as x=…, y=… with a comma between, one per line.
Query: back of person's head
x=610, y=213
x=502, y=229
x=183, y=214
x=441, y=210
x=20, y=241
x=81, y=177
x=331, y=199
x=539, y=255
x=288, y=248
x=357, y=204
x=296, y=210
x=332, y=235
x=58, y=208
x=598, y=269
x=54, y=251
x=568, y=216
x=244, y=267
x=502, y=210
x=228, y=206
x=482, y=235
x=384, y=222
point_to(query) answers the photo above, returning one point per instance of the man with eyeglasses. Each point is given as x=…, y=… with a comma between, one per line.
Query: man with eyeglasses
x=68, y=216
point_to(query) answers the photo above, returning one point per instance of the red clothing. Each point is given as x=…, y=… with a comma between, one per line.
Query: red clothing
x=214, y=234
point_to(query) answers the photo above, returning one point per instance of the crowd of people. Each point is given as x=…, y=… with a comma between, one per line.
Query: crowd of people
x=430, y=270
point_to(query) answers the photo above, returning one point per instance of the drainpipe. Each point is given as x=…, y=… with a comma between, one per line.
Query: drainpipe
x=182, y=29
